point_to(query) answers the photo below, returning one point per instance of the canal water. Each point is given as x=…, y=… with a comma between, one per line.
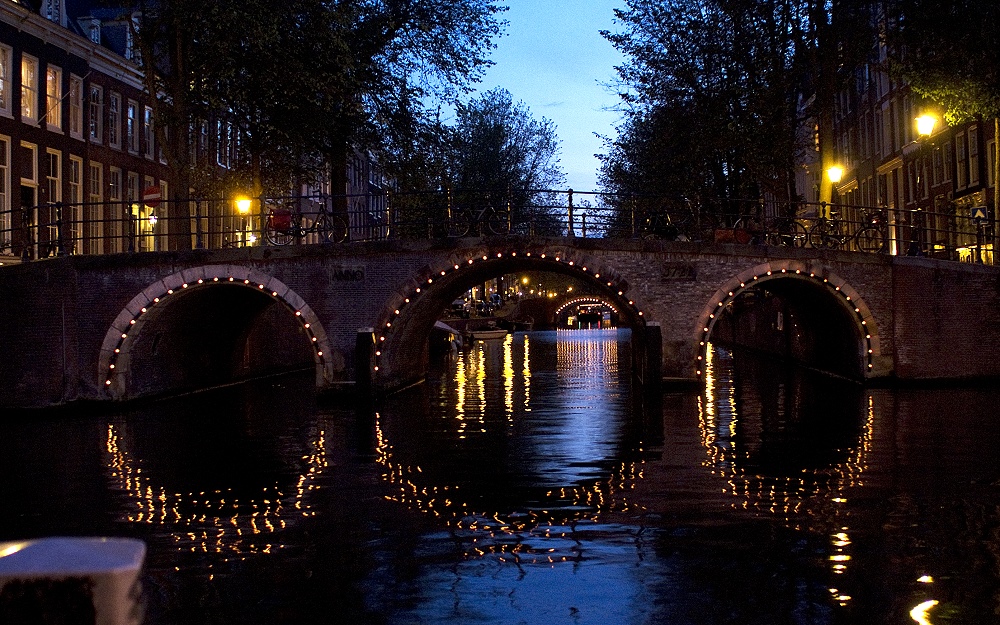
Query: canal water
x=528, y=482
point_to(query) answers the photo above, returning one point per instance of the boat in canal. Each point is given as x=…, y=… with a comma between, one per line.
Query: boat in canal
x=487, y=334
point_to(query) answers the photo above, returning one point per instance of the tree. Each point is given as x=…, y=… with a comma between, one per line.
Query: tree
x=946, y=51
x=308, y=81
x=712, y=92
x=497, y=147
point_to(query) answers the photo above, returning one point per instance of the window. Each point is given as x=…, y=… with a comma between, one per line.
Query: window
x=991, y=160
x=96, y=182
x=5, y=215
x=147, y=131
x=948, y=160
x=96, y=113
x=131, y=128
x=53, y=177
x=76, y=180
x=29, y=89
x=55, y=11
x=75, y=106
x=53, y=97
x=29, y=164
x=961, y=162
x=114, y=120
x=223, y=144
x=973, y=156
x=134, y=192
x=94, y=210
x=114, y=184
x=5, y=85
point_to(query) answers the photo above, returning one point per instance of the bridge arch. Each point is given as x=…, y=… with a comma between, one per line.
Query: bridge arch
x=406, y=321
x=257, y=290
x=848, y=302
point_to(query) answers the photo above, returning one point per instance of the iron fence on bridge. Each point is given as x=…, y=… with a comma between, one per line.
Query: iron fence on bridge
x=37, y=232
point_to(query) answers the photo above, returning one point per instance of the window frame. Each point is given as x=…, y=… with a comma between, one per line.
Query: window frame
x=115, y=119
x=29, y=92
x=95, y=119
x=53, y=101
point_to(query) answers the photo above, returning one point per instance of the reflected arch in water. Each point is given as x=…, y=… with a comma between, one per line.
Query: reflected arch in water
x=403, y=327
x=791, y=445
x=824, y=323
x=207, y=326
x=228, y=484
x=503, y=464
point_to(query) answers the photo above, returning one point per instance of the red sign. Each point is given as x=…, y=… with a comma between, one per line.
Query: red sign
x=151, y=196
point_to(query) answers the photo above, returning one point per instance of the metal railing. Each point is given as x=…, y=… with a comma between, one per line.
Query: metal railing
x=37, y=232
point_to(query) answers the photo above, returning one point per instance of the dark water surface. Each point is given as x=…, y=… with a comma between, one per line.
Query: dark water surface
x=526, y=483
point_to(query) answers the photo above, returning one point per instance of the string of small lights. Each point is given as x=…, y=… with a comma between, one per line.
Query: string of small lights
x=837, y=286
x=131, y=319
x=386, y=324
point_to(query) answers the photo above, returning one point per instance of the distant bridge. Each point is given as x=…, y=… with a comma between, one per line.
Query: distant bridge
x=124, y=326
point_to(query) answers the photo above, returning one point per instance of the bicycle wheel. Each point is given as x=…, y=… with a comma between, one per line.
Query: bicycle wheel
x=459, y=224
x=870, y=239
x=278, y=227
x=332, y=228
x=496, y=222
x=820, y=236
x=791, y=234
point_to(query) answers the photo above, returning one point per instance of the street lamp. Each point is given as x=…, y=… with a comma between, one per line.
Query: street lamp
x=243, y=204
x=925, y=128
x=925, y=125
x=835, y=173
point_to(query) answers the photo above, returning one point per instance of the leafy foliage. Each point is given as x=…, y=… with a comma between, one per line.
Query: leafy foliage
x=715, y=92
x=307, y=80
x=946, y=50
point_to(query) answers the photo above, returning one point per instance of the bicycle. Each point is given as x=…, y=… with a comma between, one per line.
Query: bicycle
x=826, y=233
x=659, y=227
x=283, y=225
x=487, y=221
x=786, y=232
x=873, y=237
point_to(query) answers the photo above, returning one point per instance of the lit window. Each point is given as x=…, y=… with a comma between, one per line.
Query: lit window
x=29, y=89
x=53, y=97
x=5, y=84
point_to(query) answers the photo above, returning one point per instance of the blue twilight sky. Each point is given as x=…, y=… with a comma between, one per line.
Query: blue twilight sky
x=553, y=59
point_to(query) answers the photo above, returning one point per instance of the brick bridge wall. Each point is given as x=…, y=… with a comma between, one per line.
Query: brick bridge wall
x=69, y=325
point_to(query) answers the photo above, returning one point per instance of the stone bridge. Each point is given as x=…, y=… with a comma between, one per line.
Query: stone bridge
x=135, y=325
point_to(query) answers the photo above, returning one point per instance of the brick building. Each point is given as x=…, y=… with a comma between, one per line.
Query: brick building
x=77, y=147
x=928, y=185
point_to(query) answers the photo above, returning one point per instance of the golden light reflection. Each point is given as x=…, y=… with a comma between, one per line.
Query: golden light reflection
x=509, y=534
x=919, y=612
x=8, y=549
x=814, y=499
x=217, y=521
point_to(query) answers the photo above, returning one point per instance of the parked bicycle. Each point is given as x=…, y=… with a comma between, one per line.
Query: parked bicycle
x=659, y=227
x=486, y=221
x=284, y=225
x=786, y=232
x=873, y=237
x=827, y=232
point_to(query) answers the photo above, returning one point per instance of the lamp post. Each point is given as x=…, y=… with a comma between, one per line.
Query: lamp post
x=243, y=204
x=925, y=128
x=834, y=174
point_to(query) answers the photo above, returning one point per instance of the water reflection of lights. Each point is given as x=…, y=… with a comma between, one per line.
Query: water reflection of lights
x=919, y=612
x=215, y=521
x=813, y=500
x=561, y=512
